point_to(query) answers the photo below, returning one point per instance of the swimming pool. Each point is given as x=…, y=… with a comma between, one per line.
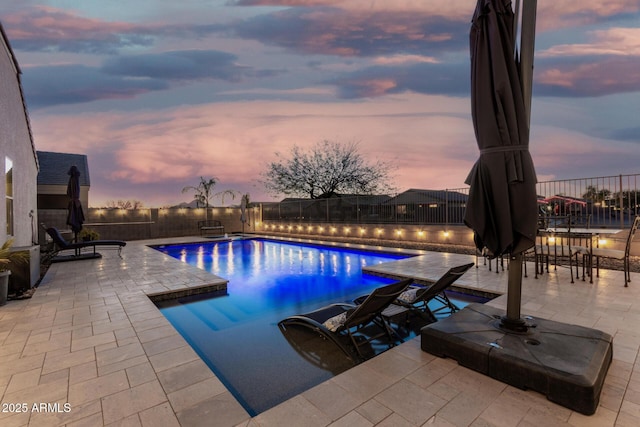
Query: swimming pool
x=237, y=334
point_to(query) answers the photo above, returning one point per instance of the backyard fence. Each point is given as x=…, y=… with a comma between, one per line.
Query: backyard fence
x=611, y=201
x=607, y=201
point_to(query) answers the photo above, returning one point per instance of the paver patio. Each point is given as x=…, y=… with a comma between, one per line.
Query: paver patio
x=91, y=338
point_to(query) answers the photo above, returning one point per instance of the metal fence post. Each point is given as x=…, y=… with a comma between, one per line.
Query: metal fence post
x=328, y=218
x=446, y=208
x=621, y=197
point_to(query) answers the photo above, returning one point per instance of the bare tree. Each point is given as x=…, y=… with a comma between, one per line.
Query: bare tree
x=124, y=204
x=328, y=167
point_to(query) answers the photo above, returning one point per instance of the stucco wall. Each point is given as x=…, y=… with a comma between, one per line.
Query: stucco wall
x=147, y=223
x=15, y=143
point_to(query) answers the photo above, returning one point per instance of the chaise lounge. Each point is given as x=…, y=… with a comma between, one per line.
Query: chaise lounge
x=62, y=245
x=337, y=321
x=417, y=298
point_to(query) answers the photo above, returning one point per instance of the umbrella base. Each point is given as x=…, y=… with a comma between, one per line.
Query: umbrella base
x=64, y=258
x=567, y=363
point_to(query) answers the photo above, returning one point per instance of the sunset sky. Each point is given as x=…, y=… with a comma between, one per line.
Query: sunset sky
x=158, y=93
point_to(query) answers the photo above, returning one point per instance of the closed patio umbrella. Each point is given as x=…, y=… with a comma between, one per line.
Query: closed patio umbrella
x=75, y=214
x=566, y=362
x=244, y=202
x=502, y=205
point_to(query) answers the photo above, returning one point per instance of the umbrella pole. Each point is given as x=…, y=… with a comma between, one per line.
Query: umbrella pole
x=513, y=321
x=527, y=46
x=526, y=14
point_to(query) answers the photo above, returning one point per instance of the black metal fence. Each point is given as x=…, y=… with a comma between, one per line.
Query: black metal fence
x=608, y=201
x=412, y=207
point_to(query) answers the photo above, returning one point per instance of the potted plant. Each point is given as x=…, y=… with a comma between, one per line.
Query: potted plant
x=88, y=234
x=7, y=257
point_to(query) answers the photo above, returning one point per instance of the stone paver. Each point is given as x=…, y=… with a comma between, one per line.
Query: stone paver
x=91, y=338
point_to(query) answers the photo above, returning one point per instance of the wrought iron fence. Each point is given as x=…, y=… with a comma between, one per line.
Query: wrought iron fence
x=607, y=201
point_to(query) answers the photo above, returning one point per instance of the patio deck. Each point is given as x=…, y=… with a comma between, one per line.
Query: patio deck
x=90, y=337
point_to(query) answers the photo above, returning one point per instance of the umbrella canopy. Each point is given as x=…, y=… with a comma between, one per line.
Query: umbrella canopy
x=75, y=215
x=502, y=205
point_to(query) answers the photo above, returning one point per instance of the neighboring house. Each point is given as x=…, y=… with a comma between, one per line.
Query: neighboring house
x=18, y=153
x=429, y=206
x=53, y=179
x=333, y=207
x=19, y=161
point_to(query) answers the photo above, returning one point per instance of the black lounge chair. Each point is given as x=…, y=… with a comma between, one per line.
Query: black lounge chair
x=417, y=298
x=337, y=321
x=314, y=349
x=62, y=245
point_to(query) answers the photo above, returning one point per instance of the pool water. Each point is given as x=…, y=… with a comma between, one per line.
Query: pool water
x=237, y=334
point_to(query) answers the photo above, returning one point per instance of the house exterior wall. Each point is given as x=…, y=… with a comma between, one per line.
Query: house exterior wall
x=16, y=144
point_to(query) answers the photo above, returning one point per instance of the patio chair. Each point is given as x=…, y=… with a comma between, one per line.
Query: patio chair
x=485, y=254
x=559, y=242
x=417, y=298
x=598, y=253
x=340, y=320
x=61, y=245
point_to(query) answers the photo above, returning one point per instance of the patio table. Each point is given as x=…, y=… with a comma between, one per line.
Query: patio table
x=590, y=234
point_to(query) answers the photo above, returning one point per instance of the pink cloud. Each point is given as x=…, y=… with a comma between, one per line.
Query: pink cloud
x=569, y=13
x=589, y=156
x=405, y=59
x=607, y=76
x=59, y=25
x=234, y=141
x=613, y=41
x=152, y=155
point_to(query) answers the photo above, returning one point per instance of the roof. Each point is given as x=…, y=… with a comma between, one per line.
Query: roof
x=418, y=196
x=54, y=168
x=567, y=200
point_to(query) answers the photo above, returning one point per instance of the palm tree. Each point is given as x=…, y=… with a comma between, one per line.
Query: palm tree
x=203, y=193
